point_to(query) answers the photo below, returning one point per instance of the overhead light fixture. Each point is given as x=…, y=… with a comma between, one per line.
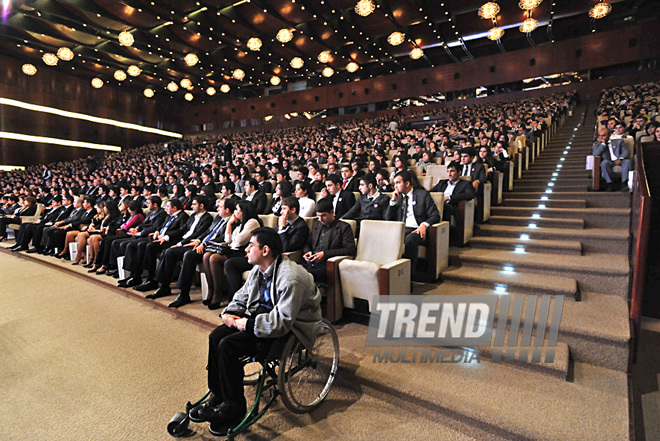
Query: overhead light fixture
x=526, y=5
x=126, y=38
x=254, y=44
x=149, y=93
x=58, y=141
x=416, y=53
x=172, y=87
x=191, y=59
x=601, y=10
x=64, y=53
x=224, y=88
x=364, y=7
x=275, y=80
x=297, y=62
x=284, y=35
x=210, y=91
x=29, y=69
x=189, y=96
x=325, y=57
x=186, y=83
x=495, y=33
x=528, y=25
x=396, y=38
x=489, y=10
x=352, y=67
x=97, y=83
x=133, y=71
x=119, y=75
x=50, y=59
x=327, y=72
x=238, y=74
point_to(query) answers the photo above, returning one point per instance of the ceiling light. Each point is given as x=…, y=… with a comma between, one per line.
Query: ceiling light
x=186, y=83
x=416, y=53
x=210, y=91
x=133, y=71
x=275, y=80
x=325, y=57
x=64, y=53
x=189, y=96
x=489, y=10
x=50, y=59
x=224, y=88
x=364, y=7
x=600, y=10
x=352, y=67
x=191, y=59
x=149, y=93
x=297, y=63
x=327, y=72
x=284, y=35
x=238, y=74
x=528, y=25
x=495, y=33
x=97, y=83
x=396, y=38
x=119, y=75
x=29, y=69
x=526, y=5
x=126, y=38
x=254, y=44
x=172, y=87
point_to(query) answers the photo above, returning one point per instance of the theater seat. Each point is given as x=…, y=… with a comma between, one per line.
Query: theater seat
x=378, y=268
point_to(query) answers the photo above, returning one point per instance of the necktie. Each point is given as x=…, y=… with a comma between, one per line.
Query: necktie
x=164, y=229
x=215, y=230
x=405, y=207
x=466, y=170
x=343, y=187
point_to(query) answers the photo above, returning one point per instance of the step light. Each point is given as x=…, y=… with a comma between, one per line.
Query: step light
x=566, y=152
x=541, y=206
x=553, y=179
x=544, y=198
x=547, y=190
x=551, y=184
x=568, y=148
x=508, y=269
x=559, y=166
x=524, y=237
x=531, y=226
x=562, y=159
x=519, y=249
x=536, y=216
x=500, y=288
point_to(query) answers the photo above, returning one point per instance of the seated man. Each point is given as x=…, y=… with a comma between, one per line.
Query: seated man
x=330, y=237
x=293, y=231
x=279, y=297
x=455, y=190
x=476, y=171
x=252, y=194
x=416, y=208
x=371, y=204
x=57, y=211
x=55, y=235
x=613, y=152
x=341, y=200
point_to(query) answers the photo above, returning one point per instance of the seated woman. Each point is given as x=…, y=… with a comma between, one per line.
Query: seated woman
x=425, y=160
x=190, y=193
x=111, y=221
x=237, y=236
x=305, y=197
x=102, y=260
x=283, y=189
x=29, y=209
x=488, y=160
x=399, y=163
x=72, y=234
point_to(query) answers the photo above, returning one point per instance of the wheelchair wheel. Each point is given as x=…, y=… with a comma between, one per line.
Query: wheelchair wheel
x=252, y=370
x=305, y=377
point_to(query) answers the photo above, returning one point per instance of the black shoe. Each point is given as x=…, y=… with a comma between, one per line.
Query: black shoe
x=160, y=292
x=62, y=256
x=610, y=187
x=148, y=285
x=214, y=306
x=220, y=427
x=111, y=273
x=133, y=281
x=87, y=265
x=34, y=250
x=122, y=283
x=206, y=302
x=206, y=411
x=19, y=249
x=94, y=269
x=13, y=247
x=180, y=301
x=48, y=252
x=624, y=186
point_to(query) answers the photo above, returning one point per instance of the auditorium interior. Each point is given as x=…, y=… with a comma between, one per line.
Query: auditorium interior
x=545, y=113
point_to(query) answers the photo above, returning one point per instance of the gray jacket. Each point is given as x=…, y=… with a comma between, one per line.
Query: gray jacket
x=296, y=300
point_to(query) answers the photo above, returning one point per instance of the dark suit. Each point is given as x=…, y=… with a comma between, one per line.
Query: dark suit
x=352, y=185
x=150, y=225
x=266, y=187
x=425, y=211
x=57, y=236
x=340, y=242
x=365, y=208
x=463, y=191
x=344, y=203
x=477, y=173
x=259, y=201
x=620, y=151
x=38, y=229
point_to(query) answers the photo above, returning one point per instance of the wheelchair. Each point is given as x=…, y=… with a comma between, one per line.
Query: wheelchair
x=303, y=379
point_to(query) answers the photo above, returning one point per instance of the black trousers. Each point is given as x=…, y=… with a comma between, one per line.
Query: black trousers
x=118, y=248
x=319, y=270
x=226, y=347
x=168, y=260
x=105, y=250
x=191, y=259
x=22, y=233
x=234, y=269
x=54, y=237
x=141, y=254
x=411, y=244
x=37, y=234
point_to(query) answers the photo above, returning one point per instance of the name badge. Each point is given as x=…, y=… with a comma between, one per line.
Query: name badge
x=376, y=205
x=414, y=203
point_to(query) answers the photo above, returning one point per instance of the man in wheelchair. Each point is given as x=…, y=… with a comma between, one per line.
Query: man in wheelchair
x=278, y=297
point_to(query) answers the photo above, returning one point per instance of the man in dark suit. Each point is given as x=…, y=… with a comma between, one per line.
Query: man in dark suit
x=416, y=208
x=257, y=198
x=455, y=190
x=382, y=181
x=142, y=253
x=371, y=204
x=293, y=231
x=613, y=152
x=341, y=200
x=196, y=226
x=476, y=170
x=226, y=150
x=53, y=237
x=330, y=237
x=26, y=231
x=264, y=185
x=39, y=227
x=349, y=182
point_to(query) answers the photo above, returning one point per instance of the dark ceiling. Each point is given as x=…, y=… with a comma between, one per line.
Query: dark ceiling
x=217, y=31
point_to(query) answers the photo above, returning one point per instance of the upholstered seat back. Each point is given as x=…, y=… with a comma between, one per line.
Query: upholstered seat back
x=380, y=242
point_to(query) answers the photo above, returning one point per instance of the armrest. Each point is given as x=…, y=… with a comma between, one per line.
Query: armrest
x=466, y=221
x=394, y=278
x=28, y=219
x=334, y=299
x=595, y=174
x=295, y=256
x=438, y=249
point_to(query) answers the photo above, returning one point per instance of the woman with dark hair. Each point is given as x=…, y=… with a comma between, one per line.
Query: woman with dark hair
x=357, y=167
x=73, y=234
x=283, y=189
x=29, y=209
x=189, y=193
x=306, y=198
x=179, y=192
x=239, y=226
x=488, y=160
x=107, y=213
x=115, y=217
x=374, y=166
x=399, y=163
x=425, y=160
